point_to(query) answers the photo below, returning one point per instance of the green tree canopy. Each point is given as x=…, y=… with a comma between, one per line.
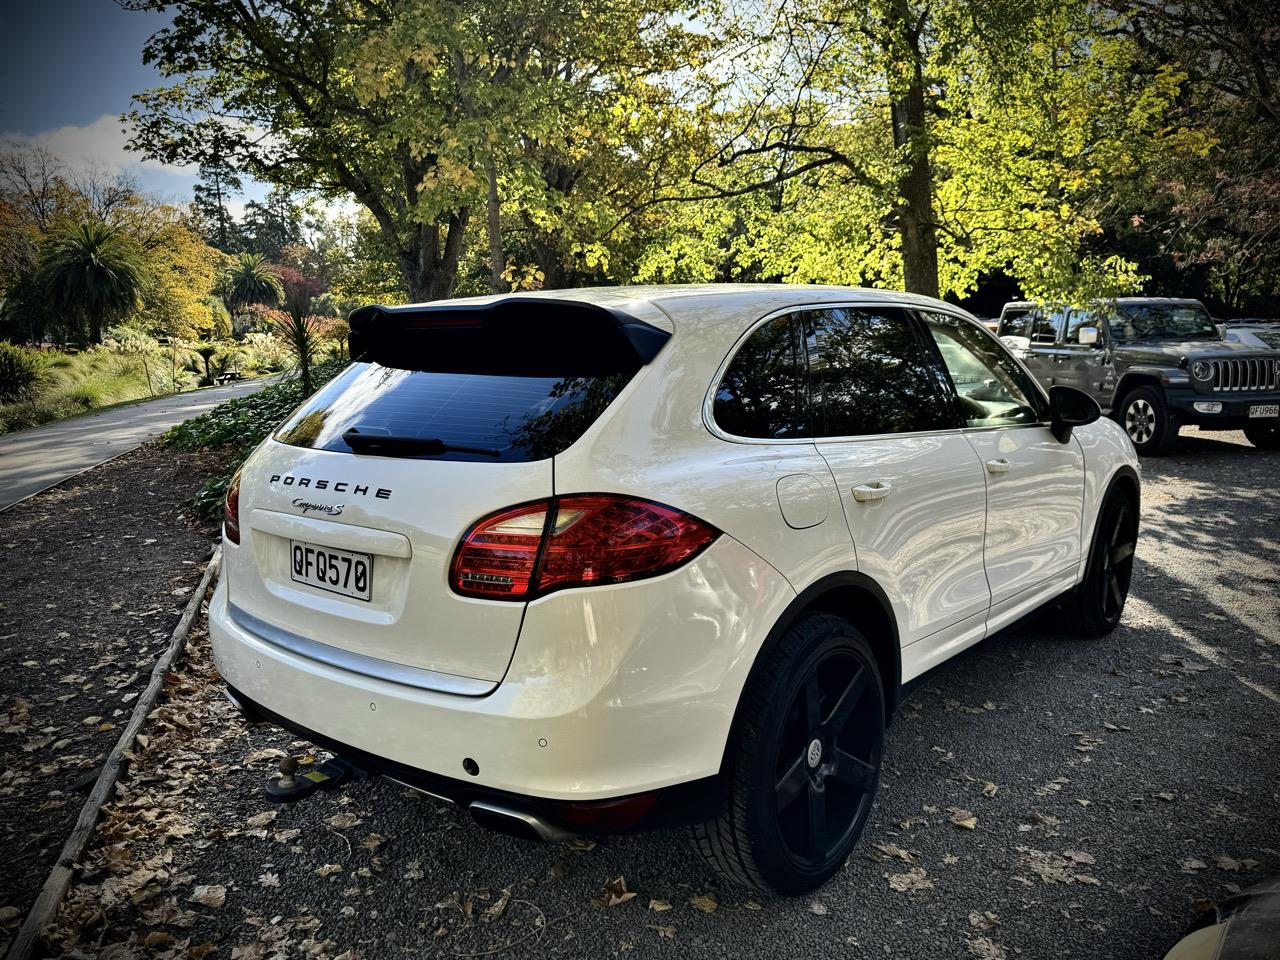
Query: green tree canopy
x=93, y=272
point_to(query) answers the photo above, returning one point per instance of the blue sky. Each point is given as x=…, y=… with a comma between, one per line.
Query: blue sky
x=67, y=71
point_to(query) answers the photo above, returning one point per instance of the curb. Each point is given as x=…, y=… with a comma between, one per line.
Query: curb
x=64, y=869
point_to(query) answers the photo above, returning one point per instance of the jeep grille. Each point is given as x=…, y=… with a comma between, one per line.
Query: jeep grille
x=1238, y=376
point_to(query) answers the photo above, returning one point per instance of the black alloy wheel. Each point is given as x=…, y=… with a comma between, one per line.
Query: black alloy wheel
x=826, y=770
x=804, y=763
x=1097, y=604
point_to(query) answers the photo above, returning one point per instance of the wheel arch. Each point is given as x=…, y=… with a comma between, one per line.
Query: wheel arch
x=1130, y=380
x=858, y=599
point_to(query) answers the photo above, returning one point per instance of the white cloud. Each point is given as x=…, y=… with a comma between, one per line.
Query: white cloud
x=102, y=144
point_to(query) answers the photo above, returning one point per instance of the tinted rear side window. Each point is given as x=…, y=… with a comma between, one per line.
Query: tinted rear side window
x=872, y=374
x=763, y=393
x=517, y=418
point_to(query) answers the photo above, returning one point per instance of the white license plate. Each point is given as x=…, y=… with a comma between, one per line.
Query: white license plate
x=338, y=571
x=1265, y=410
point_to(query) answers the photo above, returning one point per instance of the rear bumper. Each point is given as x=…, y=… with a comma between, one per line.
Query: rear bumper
x=531, y=818
x=1233, y=415
x=612, y=691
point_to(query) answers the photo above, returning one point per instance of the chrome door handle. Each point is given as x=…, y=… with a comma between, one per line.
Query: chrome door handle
x=875, y=490
x=999, y=466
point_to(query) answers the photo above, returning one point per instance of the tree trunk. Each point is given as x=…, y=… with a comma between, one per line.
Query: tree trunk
x=914, y=206
x=95, y=327
x=497, y=257
x=429, y=268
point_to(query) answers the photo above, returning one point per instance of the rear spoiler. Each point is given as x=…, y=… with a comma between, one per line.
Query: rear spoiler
x=515, y=336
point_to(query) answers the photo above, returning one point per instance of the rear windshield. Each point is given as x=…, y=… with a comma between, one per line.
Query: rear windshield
x=509, y=418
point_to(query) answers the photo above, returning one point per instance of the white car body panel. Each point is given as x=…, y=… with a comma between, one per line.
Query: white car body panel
x=613, y=680
x=633, y=687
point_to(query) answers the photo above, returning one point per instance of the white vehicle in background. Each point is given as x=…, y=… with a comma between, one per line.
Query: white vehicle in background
x=602, y=560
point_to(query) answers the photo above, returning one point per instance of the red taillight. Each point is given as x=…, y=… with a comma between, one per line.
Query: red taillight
x=231, y=511
x=576, y=541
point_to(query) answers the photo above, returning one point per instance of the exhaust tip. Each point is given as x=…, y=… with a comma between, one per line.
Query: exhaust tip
x=516, y=823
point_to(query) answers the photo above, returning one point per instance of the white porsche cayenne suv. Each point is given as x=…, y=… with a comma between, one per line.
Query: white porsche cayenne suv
x=611, y=559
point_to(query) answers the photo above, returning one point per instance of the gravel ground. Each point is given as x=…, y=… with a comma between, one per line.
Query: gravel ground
x=94, y=576
x=1104, y=790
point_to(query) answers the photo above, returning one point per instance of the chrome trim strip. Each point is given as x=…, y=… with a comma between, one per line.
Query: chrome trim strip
x=353, y=662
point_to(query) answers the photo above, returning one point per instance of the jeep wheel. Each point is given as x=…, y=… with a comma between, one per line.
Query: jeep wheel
x=804, y=763
x=1096, y=605
x=1148, y=421
x=1263, y=437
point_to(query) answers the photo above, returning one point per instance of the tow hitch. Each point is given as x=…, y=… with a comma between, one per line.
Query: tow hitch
x=291, y=785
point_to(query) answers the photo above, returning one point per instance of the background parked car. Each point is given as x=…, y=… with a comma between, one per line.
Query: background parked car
x=1154, y=364
x=1255, y=333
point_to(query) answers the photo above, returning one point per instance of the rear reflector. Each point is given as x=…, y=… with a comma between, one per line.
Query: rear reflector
x=574, y=541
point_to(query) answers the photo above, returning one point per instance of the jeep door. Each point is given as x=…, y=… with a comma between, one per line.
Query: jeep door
x=1034, y=482
x=911, y=486
x=1035, y=337
x=1086, y=366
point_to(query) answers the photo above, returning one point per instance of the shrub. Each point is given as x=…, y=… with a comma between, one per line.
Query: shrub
x=240, y=425
x=21, y=371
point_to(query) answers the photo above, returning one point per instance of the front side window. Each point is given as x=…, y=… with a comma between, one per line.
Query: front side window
x=991, y=388
x=763, y=394
x=870, y=373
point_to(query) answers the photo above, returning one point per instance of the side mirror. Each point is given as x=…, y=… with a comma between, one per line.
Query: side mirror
x=1087, y=336
x=1068, y=408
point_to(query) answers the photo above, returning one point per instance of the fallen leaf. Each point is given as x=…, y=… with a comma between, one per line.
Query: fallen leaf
x=917, y=879
x=269, y=879
x=1191, y=865
x=211, y=895
x=963, y=818
x=343, y=820
x=986, y=949
x=989, y=789
x=373, y=841
x=495, y=909
x=664, y=933
x=704, y=902
x=986, y=920
x=262, y=819
x=820, y=909
x=614, y=892
x=889, y=851
x=328, y=870
x=658, y=906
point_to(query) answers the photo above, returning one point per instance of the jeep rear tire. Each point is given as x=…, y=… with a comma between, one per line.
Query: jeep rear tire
x=804, y=762
x=1148, y=421
x=1264, y=437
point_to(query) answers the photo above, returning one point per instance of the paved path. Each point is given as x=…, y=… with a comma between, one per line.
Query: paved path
x=31, y=460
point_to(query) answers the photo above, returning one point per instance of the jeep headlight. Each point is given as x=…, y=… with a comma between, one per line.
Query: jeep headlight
x=1202, y=370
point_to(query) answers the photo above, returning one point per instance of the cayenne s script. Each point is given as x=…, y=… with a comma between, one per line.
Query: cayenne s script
x=602, y=560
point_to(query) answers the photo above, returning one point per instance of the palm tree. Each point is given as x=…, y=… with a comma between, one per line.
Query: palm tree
x=249, y=280
x=92, y=271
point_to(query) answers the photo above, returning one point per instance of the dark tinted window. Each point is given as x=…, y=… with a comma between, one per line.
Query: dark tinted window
x=520, y=418
x=1162, y=321
x=871, y=374
x=992, y=389
x=763, y=394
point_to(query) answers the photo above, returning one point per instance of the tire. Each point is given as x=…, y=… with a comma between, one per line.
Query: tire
x=1148, y=421
x=804, y=762
x=1263, y=437
x=1096, y=605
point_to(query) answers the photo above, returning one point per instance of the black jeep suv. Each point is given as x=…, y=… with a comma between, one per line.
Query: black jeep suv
x=1153, y=364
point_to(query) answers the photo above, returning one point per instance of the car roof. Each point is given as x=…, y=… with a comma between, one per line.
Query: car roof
x=705, y=304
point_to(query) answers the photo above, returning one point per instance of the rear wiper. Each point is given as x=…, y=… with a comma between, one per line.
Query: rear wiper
x=390, y=446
